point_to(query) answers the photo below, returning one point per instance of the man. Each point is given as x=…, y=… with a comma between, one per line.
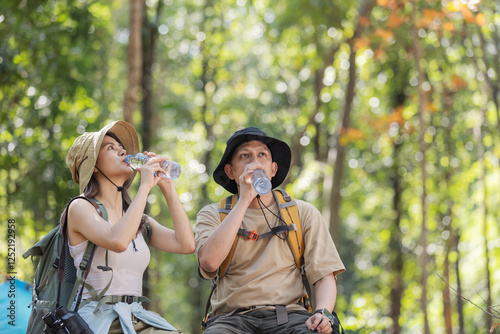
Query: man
x=262, y=277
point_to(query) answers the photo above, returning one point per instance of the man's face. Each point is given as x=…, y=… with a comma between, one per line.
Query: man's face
x=254, y=153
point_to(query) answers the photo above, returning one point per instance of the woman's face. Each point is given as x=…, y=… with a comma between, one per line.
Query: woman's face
x=112, y=159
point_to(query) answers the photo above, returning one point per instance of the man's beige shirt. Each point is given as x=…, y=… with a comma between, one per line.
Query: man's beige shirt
x=263, y=272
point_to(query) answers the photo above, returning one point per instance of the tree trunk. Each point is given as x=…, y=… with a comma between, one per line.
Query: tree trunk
x=332, y=199
x=134, y=61
x=318, y=87
x=460, y=302
x=446, y=294
x=484, y=213
x=421, y=109
x=492, y=85
x=149, y=31
x=395, y=246
x=338, y=171
x=447, y=309
x=395, y=241
x=199, y=295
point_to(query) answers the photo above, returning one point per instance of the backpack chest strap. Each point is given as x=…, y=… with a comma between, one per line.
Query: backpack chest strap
x=252, y=235
x=288, y=214
x=226, y=205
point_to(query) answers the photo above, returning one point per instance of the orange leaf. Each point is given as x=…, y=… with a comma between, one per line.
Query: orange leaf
x=480, y=19
x=432, y=13
x=397, y=116
x=395, y=20
x=351, y=135
x=391, y=4
x=384, y=34
x=379, y=53
x=380, y=124
x=458, y=82
x=449, y=26
x=364, y=21
x=493, y=327
x=431, y=107
x=425, y=22
x=468, y=17
x=362, y=42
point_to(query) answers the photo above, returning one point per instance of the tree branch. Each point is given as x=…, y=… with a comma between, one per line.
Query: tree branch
x=470, y=301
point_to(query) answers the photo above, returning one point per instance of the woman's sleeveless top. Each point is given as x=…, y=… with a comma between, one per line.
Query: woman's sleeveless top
x=128, y=268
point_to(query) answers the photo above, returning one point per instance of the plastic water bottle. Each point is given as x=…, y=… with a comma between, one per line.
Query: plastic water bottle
x=261, y=182
x=172, y=168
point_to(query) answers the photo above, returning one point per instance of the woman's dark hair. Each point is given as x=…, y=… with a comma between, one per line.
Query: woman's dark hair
x=92, y=188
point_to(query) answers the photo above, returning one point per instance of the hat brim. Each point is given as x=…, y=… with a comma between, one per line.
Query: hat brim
x=90, y=144
x=280, y=152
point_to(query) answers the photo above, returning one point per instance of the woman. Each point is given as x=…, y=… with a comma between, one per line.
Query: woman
x=97, y=161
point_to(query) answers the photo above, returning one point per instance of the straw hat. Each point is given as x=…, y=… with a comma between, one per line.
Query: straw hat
x=280, y=152
x=82, y=156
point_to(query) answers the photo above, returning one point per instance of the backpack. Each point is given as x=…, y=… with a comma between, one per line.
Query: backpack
x=55, y=274
x=290, y=217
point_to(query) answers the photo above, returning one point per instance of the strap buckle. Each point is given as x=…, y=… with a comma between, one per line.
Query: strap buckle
x=128, y=299
x=83, y=264
x=204, y=321
x=251, y=235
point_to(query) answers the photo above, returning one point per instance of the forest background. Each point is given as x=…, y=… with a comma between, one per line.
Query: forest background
x=391, y=109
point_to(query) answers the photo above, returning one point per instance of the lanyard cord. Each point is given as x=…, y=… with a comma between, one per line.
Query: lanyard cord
x=279, y=218
x=120, y=189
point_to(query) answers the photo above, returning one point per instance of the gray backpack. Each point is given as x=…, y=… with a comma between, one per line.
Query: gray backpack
x=48, y=292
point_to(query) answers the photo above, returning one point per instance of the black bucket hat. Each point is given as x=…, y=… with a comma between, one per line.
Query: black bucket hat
x=280, y=152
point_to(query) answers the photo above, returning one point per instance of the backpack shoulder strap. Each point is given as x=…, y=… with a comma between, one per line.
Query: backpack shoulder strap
x=88, y=254
x=225, y=206
x=64, y=231
x=89, y=250
x=146, y=232
x=290, y=215
x=101, y=209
